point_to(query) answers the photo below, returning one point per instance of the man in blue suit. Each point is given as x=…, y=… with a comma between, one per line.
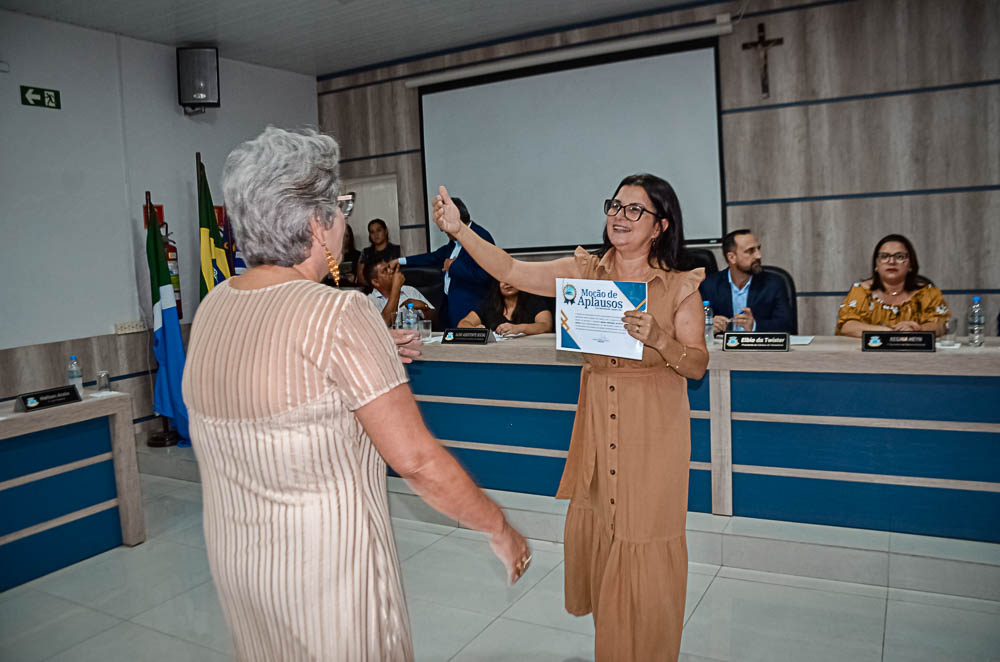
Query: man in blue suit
x=465, y=282
x=744, y=294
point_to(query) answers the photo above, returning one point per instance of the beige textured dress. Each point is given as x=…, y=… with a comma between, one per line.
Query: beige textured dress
x=627, y=478
x=296, y=518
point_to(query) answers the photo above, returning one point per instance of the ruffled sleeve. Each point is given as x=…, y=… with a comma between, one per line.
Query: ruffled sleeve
x=361, y=359
x=586, y=262
x=854, y=306
x=933, y=307
x=687, y=284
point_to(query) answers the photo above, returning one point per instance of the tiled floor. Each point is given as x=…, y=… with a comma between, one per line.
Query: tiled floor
x=157, y=602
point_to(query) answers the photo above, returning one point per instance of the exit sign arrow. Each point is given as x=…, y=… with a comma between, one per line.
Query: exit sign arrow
x=40, y=97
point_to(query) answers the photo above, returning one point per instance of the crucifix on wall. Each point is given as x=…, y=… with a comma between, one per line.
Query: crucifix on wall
x=761, y=46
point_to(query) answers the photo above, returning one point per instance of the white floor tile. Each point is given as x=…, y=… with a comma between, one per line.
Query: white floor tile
x=464, y=573
x=697, y=586
x=749, y=621
x=127, y=581
x=703, y=568
x=439, y=631
x=410, y=506
x=941, y=600
x=945, y=548
x=540, y=526
x=707, y=522
x=545, y=604
x=860, y=566
x=916, y=632
x=194, y=616
x=867, y=590
x=704, y=547
x=192, y=535
x=154, y=486
x=514, y=641
x=36, y=626
x=534, y=543
x=168, y=513
x=411, y=541
x=418, y=525
x=837, y=536
x=920, y=573
x=135, y=643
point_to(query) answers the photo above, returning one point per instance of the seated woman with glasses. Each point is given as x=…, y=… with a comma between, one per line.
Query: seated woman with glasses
x=896, y=297
x=509, y=311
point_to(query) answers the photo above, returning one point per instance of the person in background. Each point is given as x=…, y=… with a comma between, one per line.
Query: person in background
x=465, y=282
x=298, y=401
x=626, y=474
x=508, y=311
x=743, y=294
x=379, y=249
x=896, y=297
x=390, y=293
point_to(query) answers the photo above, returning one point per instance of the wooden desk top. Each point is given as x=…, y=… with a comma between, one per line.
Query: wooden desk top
x=823, y=354
x=13, y=424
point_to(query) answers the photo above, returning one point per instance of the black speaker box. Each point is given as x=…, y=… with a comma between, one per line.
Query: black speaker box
x=198, y=77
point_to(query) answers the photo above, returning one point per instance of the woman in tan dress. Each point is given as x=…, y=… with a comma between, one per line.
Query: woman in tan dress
x=297, y=400
x=896, y=297
x=627, y=471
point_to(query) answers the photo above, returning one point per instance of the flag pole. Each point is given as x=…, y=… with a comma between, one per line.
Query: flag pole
x=166, y=436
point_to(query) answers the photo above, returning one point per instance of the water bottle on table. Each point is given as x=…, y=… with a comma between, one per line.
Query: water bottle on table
x=74, y=374
x=410, y=317
x=709, y=320
x=977, y=320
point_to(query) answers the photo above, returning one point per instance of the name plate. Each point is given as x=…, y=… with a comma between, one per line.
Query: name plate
x=755, y=342
x=897, y=341
x=48, y=398
x=467, y=336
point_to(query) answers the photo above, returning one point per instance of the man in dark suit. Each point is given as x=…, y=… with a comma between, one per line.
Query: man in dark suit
x=465, y=282
x=744, y=294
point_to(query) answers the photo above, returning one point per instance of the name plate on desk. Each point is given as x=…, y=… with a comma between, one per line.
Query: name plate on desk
x=756, y=341
x=47, y=398
x=467, y=337
x=897, y=341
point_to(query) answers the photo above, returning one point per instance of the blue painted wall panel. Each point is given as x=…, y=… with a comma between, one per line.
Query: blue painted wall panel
x=901, y=508
x=42, y=500
x=532, y=383
x=921, y=397
x=530, y=474
x=45, y=449
x=535, y=428
x=698, y=393
x=700, y=491
x=701, y=440
x=45, y=552
x=887, y=451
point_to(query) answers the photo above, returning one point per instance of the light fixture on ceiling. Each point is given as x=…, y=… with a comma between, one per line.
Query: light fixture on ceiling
x=722, y=26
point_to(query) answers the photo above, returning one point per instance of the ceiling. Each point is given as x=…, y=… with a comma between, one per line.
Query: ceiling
x=326, y=36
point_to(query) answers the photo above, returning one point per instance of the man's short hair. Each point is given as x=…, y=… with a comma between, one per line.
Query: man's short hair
x=377, y=221
x=370, y=268
x=463, y=211
x=729, y=241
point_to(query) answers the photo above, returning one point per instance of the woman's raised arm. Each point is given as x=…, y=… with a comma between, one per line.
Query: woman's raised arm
x=534, y=277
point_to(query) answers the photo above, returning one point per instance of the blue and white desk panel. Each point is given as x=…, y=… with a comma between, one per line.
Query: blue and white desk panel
x=69, y=485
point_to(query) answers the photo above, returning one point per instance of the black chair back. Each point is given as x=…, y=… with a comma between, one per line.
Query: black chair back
x=692, y=258
x=430, y=282
x=789, y=282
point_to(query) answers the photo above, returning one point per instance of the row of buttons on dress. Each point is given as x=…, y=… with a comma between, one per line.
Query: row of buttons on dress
x=613, y=457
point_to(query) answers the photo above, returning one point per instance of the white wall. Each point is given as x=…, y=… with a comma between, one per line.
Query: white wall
x=72, y=181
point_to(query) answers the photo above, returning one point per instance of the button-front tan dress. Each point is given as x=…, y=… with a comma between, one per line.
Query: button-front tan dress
x=627, y=478
x=296, y=519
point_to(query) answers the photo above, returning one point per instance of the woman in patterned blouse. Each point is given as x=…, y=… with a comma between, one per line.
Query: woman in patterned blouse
x=896, y=297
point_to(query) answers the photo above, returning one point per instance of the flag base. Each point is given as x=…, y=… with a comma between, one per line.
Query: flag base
x=163, y=438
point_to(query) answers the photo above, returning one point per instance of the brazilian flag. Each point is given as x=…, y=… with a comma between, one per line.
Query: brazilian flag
x=214, y=265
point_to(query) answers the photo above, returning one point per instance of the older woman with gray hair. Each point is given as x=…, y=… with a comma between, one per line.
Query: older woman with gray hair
x=298, y=399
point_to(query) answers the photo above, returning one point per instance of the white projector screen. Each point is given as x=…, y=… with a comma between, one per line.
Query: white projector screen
x=535, y=157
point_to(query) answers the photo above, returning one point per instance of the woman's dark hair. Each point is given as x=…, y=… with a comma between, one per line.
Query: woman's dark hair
x=493, y=308
x=349, y=248
x=666, y=251
x=914, y=281
x=377, y=221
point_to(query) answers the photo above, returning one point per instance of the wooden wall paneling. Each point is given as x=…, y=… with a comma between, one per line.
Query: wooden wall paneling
x=947, y=42
x=141, y=390
x=914, y=141
x=370, y=120
x=408, y=169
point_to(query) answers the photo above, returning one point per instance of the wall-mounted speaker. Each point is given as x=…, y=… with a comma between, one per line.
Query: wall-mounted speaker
x=198, y=78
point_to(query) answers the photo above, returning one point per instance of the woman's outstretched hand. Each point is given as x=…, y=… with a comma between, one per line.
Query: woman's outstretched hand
x=512, y=550
x=446, y=213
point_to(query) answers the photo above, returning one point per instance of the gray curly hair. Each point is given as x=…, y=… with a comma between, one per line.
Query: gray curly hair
x=273, y=186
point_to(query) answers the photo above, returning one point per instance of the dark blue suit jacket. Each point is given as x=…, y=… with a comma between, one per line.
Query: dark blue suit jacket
x=469, y=283
x=767, y=299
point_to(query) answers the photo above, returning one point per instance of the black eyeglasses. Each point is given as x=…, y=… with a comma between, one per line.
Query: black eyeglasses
x=633, y=212
x=346, y=203
x=893, y=257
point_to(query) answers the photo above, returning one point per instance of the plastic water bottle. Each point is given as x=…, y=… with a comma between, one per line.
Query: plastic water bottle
x=74, y=374
x=709, y=320
x=409, y=317
x=977, y=320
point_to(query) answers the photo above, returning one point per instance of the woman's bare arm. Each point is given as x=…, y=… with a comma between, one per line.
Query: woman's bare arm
x=397, y=430
x=470, y=321
x=854, y=328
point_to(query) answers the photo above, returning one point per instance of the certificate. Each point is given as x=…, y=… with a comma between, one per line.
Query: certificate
x=589, y=314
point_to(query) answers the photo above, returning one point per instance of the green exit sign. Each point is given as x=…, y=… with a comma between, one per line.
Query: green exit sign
x=40, y=97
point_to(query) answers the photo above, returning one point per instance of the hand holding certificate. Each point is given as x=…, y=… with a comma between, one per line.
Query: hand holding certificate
x=590, y=312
